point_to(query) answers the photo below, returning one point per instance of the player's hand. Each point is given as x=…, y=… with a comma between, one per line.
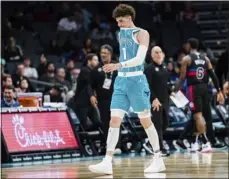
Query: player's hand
x=156, y=105
x=111, y=67
x=220, y=98
x=173, y=94
x=94, y=101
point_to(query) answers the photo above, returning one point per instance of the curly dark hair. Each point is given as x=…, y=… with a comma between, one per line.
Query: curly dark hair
x=124, y=10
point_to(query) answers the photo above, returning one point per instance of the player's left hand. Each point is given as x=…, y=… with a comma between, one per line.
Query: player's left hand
x=111, y=67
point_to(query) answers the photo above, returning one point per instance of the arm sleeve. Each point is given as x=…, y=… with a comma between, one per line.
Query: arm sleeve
x=138, y=60
x=214, y=79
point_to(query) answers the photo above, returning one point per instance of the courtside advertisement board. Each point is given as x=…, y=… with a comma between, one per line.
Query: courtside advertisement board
x=38, y=131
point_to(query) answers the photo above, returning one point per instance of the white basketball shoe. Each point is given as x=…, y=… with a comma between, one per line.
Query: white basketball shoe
x=104, y=167
x=206, y=148
x=157, y=164
x=194, y=147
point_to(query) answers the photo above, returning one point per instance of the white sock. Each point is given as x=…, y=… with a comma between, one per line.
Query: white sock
x=112, y=139
x=153, y=138
x=197, y=136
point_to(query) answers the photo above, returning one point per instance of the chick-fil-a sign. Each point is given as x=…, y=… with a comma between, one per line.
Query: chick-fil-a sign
x=38, y=131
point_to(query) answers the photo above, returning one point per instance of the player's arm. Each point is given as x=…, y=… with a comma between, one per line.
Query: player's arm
x=212, y=75
x=184, y=64
x=143, y=39
x=215, y=81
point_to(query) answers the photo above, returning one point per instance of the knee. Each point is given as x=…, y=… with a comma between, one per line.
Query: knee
x=115, y=122
x=145, y=119
x=116, y=118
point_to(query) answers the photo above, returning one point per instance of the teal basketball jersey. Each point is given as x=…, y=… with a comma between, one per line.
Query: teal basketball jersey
x=128, y=47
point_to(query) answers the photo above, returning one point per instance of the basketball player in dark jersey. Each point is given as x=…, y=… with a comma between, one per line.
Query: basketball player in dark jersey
x=196, y=68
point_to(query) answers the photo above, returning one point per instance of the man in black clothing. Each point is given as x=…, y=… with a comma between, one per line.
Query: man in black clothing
x=158, y=77
x=197, y=68
x=103, y=84
x=84, y=96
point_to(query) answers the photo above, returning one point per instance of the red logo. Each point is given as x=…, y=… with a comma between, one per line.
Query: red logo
x=38, y=131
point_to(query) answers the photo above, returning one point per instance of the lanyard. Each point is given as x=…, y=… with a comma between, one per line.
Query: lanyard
x=106, y=76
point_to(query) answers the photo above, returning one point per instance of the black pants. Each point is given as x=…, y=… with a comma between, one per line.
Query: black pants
x=82, y=114
x=105, y=114
x=161, y=122
x=201, y=102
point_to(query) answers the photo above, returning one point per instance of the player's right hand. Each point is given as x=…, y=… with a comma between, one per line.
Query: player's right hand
x=94, y=101
x=156, y=104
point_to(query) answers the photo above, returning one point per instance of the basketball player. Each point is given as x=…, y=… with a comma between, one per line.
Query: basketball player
x=196, y=68
x=130, y=89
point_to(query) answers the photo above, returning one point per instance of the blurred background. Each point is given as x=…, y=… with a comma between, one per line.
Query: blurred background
x=44, y=44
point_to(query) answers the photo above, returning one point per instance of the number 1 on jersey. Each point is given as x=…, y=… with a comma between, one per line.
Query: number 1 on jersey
x=124, y=53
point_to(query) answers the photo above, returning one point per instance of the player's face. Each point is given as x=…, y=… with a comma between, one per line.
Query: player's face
x=157, y=55
x=124, y=22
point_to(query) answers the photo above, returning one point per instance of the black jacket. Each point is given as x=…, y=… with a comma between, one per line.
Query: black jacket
x=84, y=87
x=158, y=77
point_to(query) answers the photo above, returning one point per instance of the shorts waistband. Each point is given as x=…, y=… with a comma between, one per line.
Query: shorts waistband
x=128, y=74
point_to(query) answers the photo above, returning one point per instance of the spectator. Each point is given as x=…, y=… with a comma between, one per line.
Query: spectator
x=75, y=74
x=24, y=86
x=29, y=71
x=68, y=24
x=8, y=98
x=88, y=48
x=55, y=94
x=189, y=13
x=50, y=73
x=6, y=81
x=71, y=93
x=70, y=66
x=13, y=52
x=60, y=80
x=19, y=76
x=170, y=67
x=43, y=65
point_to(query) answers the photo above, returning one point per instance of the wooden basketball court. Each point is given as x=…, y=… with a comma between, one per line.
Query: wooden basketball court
x=187, y=165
